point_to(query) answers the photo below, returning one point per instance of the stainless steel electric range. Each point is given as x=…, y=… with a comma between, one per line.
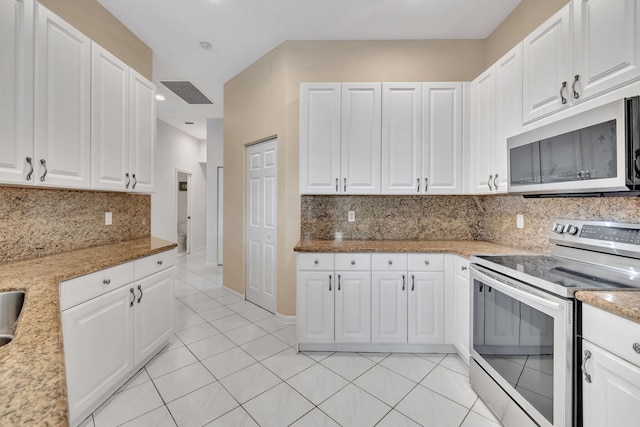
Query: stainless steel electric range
x=523, y=322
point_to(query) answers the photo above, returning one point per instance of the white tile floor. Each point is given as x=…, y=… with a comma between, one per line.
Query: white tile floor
x=230, y=363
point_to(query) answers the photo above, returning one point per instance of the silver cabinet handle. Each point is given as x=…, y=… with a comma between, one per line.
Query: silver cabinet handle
x=160, y=262
x=345, y=184
x=135, y=181
x=128, y=180
x=636, y=347
x=329, y=283
x=30, y=162
x=43, y=162
x=338, y=282
x=426, y=262
x=489, y=182
x=315, y=262
x=106, y=282
x=353, y=262
x=562, y=88
x=140, y=297
x=463, y=267
x=337, y=185
x=576, y=95
x=133, y=294
x=403, y=282
x=495, y=178
x=418, y=184
x=587, y=356
x=426, y=184
x=413, y=282
x=390, y=262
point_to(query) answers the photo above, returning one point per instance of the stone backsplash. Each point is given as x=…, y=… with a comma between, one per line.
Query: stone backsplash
x=491, y=218
x=38, y=222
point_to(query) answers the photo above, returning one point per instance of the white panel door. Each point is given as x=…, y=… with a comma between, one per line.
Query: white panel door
x=442, y=138
x=16, y=86
x=606, y=40
x=109, y=121
x=508, y=72
x=401, y=138
x=546, y=59
x=483, y=131
x=142, y=127
x=98, y=347
x=612, y=398
x=320, y=138
x=461, y=311
x=361, y=138
x=262, y=203
x=315, y=306
x=426, y=308
x=353, y=307
x=62, y=103
x=389, y=307
x=153, y=325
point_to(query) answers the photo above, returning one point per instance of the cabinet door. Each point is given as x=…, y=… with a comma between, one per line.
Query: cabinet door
x=98, y=347
x=142, y=133
x=426, y=308
x=315, y=306
x=153, y=313
x=546, y=59
x=401, y=138
x=361, y=133
x=320, y=138
x=353, y=307
x=442, y=138
x=483, y=131
x=606, y=46
x=508, y=110
x=612, y=398
x=462, y=310
x=109, y=121
x=62, y=103
x=389, y=307
x=16, y=102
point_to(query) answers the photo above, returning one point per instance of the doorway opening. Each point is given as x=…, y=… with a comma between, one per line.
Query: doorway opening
x=183, y=214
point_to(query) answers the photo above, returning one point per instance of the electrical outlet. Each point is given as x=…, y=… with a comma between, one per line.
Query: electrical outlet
x=108, y=218
x=338, y=235
x=351, y=217
x=520, y=221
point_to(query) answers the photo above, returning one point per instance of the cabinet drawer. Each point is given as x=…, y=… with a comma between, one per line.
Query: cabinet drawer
x=426, y=262
x=357, y=262
x=613, y=333
x=84, y=288
x=315, y=261
x=152, y=264
x=389, y=262
x=461, y=266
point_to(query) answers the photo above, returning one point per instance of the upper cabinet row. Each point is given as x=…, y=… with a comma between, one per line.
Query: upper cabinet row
x=71, y=114
x=381, y=138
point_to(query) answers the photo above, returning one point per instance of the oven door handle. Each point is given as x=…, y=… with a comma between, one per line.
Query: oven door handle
x=519, y=294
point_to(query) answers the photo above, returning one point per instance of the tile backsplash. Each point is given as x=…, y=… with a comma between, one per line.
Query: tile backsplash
x=38, y=222
x=490, y=218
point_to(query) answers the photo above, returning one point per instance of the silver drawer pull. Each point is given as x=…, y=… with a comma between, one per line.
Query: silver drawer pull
x=353, y=262
x=315, y=262
x=160, y=262
x=587, y=356
x=463, y=267
x=390, y=262
x=426, y=262
x=106, y=282
x=636, y=347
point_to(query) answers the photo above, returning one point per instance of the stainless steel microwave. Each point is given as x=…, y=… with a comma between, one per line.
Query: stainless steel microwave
x=594, y=152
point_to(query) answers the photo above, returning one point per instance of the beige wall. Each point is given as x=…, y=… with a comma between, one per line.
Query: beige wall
x=101, y=26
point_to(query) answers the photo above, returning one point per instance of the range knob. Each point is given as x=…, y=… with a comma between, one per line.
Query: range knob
x=558, y=228
x=571, y=229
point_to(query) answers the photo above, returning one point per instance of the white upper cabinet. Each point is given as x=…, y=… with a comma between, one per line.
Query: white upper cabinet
x=606, y=46
x=16, y=101
x=142, y=133
x=320, y=138
x=109, y=120
x=401, y=138
x=442, y=127
x=546, y=67
x=361, y=138
x=62, y=102
x=483, y=131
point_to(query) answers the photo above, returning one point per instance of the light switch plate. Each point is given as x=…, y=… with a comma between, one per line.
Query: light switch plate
x=520, y=221
x=108, y=218
x=351, y=217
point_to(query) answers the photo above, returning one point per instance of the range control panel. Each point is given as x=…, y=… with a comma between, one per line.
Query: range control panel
x=595, y=233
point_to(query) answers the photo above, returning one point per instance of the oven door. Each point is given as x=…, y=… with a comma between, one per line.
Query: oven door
x=522, y=338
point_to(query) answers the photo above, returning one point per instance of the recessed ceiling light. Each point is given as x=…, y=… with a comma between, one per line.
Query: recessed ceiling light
x=189, y=123
x=160, y=97
x=205, y=45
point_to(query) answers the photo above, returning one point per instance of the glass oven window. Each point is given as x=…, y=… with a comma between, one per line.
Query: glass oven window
x=517, y=341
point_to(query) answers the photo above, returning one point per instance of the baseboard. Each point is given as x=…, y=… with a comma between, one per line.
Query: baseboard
x=286, y=319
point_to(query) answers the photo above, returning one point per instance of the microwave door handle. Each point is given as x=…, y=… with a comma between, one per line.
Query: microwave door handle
x=519, y=294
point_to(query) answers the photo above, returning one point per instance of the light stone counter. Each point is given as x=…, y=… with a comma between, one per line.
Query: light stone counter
x=33, y=389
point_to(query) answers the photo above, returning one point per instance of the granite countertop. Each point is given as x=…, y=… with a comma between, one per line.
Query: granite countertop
x=621, y=303
x=32, y=373
x=464, y=248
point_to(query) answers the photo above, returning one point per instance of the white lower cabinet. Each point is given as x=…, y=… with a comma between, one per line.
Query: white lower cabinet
x=462, y=308
x=389, y=307
x=109, y=336
x=315, y=306
x=353, y=307
x=426, y=308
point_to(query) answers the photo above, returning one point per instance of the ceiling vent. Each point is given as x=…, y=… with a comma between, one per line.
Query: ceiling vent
x=188, y=92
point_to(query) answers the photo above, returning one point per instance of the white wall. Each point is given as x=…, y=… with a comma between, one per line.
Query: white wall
x=214, y=160
x=178, y=150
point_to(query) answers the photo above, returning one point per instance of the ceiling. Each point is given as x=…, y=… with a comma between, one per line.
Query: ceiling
x=242, y=31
